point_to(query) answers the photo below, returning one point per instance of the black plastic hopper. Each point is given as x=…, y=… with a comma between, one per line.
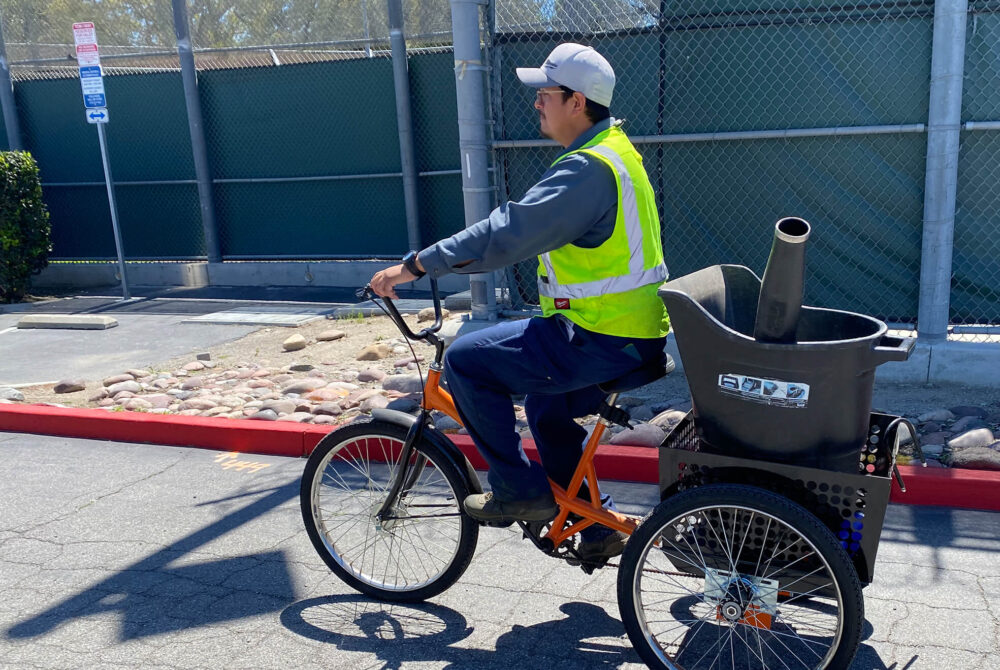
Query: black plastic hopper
x=807, y=402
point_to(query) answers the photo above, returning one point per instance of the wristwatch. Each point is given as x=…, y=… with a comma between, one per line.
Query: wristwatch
x=410, y=263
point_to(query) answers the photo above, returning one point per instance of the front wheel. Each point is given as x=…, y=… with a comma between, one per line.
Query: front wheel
x=421, y=547
x=731, y=576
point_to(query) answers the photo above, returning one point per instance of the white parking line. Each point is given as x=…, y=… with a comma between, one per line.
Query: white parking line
x=7, y=330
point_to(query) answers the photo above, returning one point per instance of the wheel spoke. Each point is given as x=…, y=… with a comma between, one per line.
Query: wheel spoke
x=401, y=552
x=759, y=554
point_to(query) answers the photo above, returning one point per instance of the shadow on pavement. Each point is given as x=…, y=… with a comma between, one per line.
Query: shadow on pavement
x=942, y=528
x=413, y=633
x=151, y=597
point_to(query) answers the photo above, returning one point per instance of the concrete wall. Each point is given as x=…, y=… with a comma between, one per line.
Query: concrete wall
x=351, y=274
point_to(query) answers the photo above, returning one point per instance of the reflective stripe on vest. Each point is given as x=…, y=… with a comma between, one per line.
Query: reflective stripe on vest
x=637, y=276
x=656, y=274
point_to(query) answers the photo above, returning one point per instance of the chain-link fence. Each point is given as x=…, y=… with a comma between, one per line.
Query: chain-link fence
x=298, y=114
x=746, y=111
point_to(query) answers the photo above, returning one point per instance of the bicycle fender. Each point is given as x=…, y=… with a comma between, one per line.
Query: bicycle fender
x=438, y=439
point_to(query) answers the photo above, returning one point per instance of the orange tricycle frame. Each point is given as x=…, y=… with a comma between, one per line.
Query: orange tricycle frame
x=588, y=511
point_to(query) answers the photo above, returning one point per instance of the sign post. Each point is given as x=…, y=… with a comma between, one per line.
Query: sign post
x=95, y=103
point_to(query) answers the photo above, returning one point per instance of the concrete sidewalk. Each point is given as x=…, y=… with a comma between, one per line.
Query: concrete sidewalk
x=113, y=554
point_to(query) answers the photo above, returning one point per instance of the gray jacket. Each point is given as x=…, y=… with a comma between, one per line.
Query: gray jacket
x=575, y=202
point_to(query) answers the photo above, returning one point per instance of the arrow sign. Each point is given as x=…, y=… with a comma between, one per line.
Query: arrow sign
x=99, y=115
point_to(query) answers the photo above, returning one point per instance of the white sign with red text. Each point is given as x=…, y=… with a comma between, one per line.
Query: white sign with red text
x=89, y=61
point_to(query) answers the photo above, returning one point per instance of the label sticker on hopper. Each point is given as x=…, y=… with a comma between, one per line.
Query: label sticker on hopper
x=765, y=391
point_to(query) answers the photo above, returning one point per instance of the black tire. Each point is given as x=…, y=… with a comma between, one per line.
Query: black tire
x=415, y=556
x=700, y=577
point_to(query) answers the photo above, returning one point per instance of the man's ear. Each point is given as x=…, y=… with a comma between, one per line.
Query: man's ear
x=579, y=102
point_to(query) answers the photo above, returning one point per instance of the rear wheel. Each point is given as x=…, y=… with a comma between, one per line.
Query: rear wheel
x=730, y=576
x=421, y=547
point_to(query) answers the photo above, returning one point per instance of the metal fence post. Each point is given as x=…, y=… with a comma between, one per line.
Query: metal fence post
x=944, y=123
x=404, y=122
x=7, y=99
x=198, y=149
x=472, y=138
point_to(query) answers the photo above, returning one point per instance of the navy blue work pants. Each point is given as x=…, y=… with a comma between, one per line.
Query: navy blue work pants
x=559, y=375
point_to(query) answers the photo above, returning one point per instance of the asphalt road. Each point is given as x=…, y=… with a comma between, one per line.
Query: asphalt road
x=118, y=555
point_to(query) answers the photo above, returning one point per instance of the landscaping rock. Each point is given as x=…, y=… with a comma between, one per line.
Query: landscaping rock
x=407, y=383
x=158, y=400
x=294, y=343
x=371, y=375
x=970, y=410
x=217, y=411
x=404, y=362
x=357, y=397
x=968, y=422
x=118, y=379
x=131, y=386
x=301, y=367
x=70, y=386
x=297, y=417
x=668, y=419
x=99, y=395
x=936, y=415
x=374, y=352
x=280, y=406
x=137, y=404
x=427, y=314
x=193, y=366
x=138, y=373
x=374, y=402
x=7, y=393
x=265, y=415
x=330, y=335
x=328, y=409
x=403, y=405
x=193, y=383
x=324, y=419
x=643, y=435
x=980, y=437
x=200, y=404
x=976, y=458
x=641, y=413
x=304, y=386
x=327, y=394
x=940, y=437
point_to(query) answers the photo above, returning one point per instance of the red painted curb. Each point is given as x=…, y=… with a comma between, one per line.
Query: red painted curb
x=969, y=489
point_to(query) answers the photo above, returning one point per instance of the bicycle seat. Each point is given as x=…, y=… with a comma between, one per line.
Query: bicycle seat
x=640, y=376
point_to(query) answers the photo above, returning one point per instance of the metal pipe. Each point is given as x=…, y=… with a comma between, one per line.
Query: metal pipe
x=119, y=247
x=944, y=124
x=981, y=125
x=472, y=138
x=404, y=122
x=10, y=119
x=199, y=150
x=740, y=135
x=256, y=180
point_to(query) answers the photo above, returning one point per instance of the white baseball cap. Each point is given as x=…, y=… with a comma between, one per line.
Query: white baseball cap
x=574, y=66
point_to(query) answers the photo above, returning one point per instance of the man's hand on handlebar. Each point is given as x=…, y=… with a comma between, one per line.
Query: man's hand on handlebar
x=385, y=281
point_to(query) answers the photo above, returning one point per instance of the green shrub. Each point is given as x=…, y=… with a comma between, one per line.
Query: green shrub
x=24, y=224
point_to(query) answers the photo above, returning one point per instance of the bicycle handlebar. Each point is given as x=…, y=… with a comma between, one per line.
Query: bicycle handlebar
x=397, y=318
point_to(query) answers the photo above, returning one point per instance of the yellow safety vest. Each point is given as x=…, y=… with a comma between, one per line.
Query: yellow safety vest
x=611, y=289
